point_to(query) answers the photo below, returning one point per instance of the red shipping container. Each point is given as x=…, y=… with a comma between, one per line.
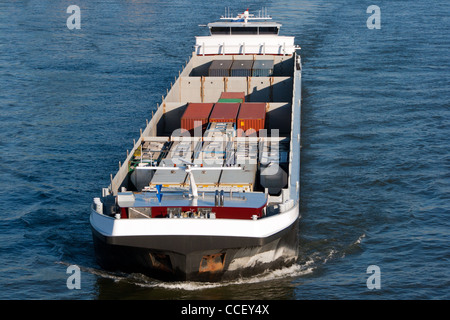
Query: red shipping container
x=224, y=112
x=196, y=112
x=233, y=95
x=252, y=115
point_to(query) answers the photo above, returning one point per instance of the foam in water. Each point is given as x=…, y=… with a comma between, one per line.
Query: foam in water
x=147, y=282
x=292, y=271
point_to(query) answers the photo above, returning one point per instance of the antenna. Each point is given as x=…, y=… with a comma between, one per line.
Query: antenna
x=262, y=15
x=228, y=14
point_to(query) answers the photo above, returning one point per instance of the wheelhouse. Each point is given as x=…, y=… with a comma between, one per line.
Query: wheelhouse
x=238, y=28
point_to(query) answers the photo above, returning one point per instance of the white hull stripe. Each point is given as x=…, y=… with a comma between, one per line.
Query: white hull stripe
x=261, y=228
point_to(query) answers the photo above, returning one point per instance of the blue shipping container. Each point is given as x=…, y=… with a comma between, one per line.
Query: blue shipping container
x=242, y=68
x=262, y=68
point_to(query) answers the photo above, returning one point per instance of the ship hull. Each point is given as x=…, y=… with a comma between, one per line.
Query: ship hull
x=207, y=258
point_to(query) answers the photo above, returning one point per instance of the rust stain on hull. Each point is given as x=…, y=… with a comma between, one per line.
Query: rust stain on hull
x=212, y=263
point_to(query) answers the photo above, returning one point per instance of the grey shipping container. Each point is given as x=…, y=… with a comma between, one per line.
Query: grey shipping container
x=242, y=68
x=220, y=68
x=262, y=68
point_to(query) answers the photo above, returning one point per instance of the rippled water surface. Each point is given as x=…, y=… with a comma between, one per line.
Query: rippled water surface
x=375, y=181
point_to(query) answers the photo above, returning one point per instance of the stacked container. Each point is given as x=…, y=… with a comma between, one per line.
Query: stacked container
x=241, y=68
x=262, y=68
x=224, y=112
x=252, y=115
x=220, y=68
x=196, y=114
x=232, y=97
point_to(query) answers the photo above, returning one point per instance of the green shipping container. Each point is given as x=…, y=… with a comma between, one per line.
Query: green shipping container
x=232, y=97
x=231, y=100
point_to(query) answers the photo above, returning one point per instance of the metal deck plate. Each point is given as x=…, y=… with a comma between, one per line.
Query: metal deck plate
x=182, y=199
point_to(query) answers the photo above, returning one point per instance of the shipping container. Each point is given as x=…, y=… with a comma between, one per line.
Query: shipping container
x=262, y=68
x=252, y=115
x=196, y=114
x=232, y=97
x=220, y=68
x=230, y=100
x=241, y=68
x=224, y=112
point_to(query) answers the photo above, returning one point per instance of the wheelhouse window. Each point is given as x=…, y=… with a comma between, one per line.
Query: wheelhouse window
x=268, y=30
x=220, y=30
x=244, y=30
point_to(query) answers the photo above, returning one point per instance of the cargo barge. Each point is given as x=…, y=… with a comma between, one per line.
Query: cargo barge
x=210, y=190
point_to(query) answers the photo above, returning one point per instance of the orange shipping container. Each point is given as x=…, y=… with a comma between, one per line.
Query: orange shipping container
x=252, y=115
x=224, y=112
x=196, y=112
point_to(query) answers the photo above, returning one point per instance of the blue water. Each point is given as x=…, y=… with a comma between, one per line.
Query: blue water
x=375, y=181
